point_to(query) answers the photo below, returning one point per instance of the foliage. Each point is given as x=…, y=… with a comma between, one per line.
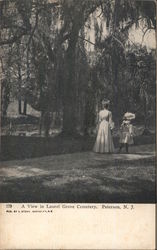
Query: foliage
x=46, y=60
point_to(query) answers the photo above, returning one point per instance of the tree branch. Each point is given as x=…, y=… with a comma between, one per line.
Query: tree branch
x=86, y=40
x=2, y=64
x=34, y=28
x=122, y=45
x=13, y=39
x=149, y=28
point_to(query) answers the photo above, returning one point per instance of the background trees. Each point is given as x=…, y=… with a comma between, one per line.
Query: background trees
x=63, y=57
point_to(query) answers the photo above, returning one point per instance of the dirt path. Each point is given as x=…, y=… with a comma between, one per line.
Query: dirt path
x=81, y=177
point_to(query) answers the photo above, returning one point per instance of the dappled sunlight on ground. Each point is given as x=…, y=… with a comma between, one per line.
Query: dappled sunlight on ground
x=81, y=177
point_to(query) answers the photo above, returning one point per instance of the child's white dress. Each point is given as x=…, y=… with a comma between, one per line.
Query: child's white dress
x=104, y=141
x=126, y=133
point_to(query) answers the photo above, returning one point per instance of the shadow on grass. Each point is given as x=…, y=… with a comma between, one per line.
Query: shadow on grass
x=116, y=181
x=105, y=190
x=21, y=147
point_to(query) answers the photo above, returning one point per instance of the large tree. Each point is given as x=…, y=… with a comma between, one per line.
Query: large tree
x=49, y=33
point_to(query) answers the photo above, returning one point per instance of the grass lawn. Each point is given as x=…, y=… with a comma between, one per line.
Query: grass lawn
x=81, y=176
x=23, y=147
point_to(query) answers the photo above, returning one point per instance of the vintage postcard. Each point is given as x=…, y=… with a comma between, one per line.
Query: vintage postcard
x=78, y=124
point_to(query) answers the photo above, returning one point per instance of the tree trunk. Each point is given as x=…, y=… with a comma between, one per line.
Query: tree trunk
x=69, y=99
x=47, y=123
x=146, y=130
x=115, y=87
x=19, y=107
x=89, y=114
x=41, y=123
x=145, y=113
x=25, y=107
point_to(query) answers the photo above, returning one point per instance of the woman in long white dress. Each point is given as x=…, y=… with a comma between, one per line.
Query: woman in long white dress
x=104, y=141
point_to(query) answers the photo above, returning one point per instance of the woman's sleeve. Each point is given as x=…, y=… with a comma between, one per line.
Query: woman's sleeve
x=99, y=117
x=111, y=121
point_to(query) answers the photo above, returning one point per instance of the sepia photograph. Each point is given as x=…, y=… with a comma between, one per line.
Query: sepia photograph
x=78, y=101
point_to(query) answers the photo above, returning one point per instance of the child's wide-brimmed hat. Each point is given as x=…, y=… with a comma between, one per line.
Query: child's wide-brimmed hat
x=105, y=101
x=126, y=122
x=129, y=116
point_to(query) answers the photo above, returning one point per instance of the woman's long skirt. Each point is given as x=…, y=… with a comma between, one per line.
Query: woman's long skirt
x=104, y=141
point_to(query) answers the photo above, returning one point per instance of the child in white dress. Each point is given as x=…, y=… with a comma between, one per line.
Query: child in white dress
x=126, y=132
